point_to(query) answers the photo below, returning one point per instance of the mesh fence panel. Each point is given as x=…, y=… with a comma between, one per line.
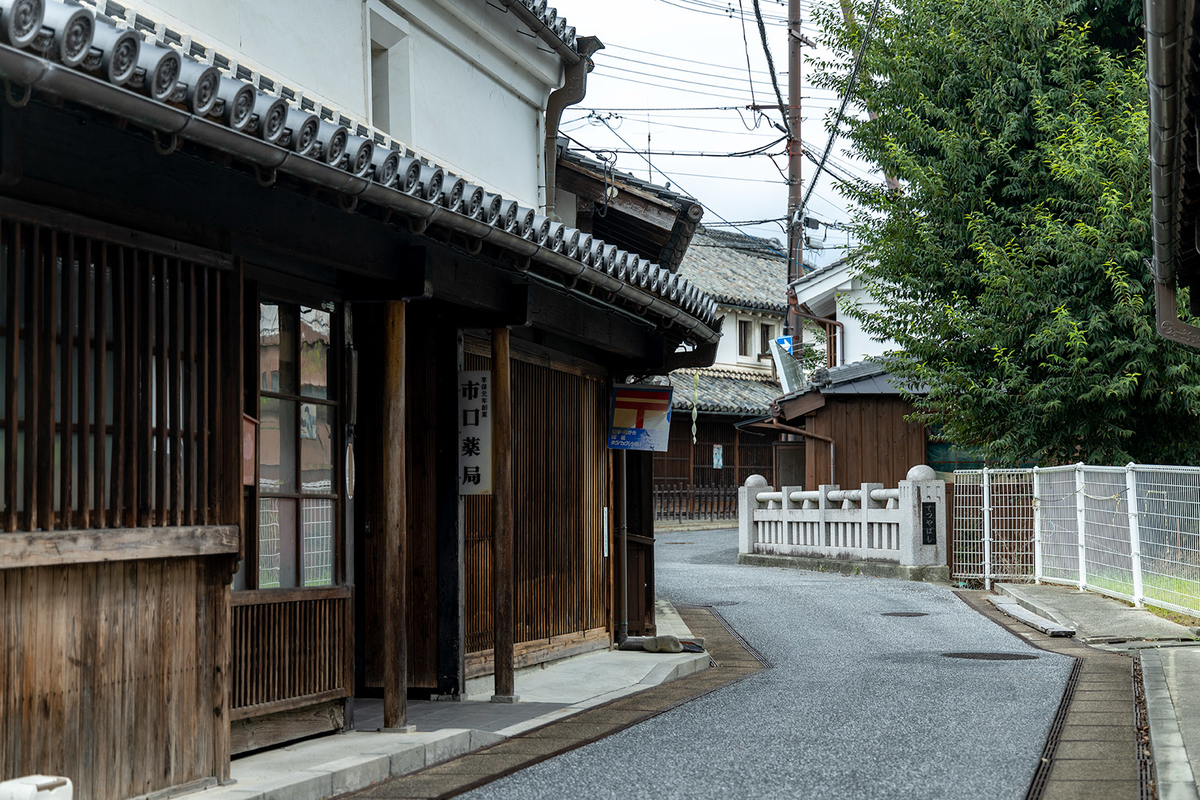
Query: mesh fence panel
x=1060, y=540
x=1011, y=495
x=968, y=525
x=1106, y=527
x=1169, y=531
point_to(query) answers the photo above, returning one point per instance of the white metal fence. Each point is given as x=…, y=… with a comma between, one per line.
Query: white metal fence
x=1130, y=532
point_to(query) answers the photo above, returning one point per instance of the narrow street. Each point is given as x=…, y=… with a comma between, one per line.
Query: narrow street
x=856, y=704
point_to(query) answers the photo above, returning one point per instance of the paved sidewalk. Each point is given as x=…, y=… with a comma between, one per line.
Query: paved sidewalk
x=328, y=766
x=1170, y=667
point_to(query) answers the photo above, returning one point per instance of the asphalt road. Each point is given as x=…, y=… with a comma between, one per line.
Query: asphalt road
x=857, y=705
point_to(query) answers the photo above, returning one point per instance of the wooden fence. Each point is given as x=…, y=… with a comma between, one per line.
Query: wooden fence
x=683, y=502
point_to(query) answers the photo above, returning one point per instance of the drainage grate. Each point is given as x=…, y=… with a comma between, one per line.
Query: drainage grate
x=759, y=657
x=991, y=656
x=1145, y=764
x=904, y=614
x=1038, y=785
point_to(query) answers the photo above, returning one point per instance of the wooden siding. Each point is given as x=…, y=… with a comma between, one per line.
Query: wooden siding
x=874, y=442
x=109, y=674
x=685, y=465
x=560, y=490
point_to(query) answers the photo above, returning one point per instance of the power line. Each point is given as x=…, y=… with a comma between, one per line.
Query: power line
x=676, y=58
x=762, y=32
x=668, y=177
x=833, y=131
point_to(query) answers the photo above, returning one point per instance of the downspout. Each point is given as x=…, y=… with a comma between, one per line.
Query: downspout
x=573, y=90
x=793, y=308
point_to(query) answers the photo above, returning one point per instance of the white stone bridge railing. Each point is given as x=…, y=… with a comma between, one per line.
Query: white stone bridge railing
x=904, y=526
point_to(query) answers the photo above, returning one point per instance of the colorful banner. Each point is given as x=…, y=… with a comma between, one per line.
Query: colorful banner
x=640, y=418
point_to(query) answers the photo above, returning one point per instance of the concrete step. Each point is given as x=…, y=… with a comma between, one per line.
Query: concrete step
x=1012, y=608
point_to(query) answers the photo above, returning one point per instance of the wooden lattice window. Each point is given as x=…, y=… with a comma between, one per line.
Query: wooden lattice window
x=114, y=385
x=297, y=475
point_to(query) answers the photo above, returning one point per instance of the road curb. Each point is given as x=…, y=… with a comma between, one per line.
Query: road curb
x=1172, y=770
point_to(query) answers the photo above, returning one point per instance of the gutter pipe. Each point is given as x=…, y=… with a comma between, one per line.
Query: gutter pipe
x=809, y=435
x=573, y=90
x=36, y=73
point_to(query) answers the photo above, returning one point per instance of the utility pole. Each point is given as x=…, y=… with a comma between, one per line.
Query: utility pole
x=795, y=147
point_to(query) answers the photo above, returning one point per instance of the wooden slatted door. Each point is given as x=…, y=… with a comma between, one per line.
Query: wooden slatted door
x=292, y=618
x=560, y=490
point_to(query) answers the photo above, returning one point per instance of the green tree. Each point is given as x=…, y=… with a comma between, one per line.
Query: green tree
x=1011, y=263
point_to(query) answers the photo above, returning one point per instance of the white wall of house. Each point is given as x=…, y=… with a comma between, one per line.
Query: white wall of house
x=836, y=293
x=459, y=81
x=741, y=339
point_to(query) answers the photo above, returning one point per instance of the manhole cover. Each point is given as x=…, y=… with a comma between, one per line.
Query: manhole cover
x=991, y=656
x=904, y=614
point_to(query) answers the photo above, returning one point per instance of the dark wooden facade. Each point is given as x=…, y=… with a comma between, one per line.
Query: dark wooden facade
x=873, y=442
x=158, y=612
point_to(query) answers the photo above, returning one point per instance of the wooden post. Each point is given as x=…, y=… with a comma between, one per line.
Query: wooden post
x=395, y=522
x=502, y=518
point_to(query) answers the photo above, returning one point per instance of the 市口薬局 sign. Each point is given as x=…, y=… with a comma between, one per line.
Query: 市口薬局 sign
x=640, y=418
x=475, y=431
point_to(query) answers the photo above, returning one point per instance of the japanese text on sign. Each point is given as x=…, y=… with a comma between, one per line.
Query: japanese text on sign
x=474, y=432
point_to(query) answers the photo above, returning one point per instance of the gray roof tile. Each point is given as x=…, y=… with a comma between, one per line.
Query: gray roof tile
x=736, y=269
x=724, y=391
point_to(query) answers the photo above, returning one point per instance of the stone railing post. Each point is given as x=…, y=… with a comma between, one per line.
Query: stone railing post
x=747, y=502
x=824, y=538
x=923, y=519
x=870, y=539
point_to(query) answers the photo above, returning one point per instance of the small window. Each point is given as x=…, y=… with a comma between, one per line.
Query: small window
x=766, y=336
x=745, y=338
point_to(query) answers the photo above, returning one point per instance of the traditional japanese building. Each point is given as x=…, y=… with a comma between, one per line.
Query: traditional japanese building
x=246, y=253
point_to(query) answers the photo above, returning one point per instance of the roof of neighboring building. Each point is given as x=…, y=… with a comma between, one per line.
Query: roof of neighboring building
x=657, y=240
x=724, y=391
x=738, y=270
x=859, y=377
x=819, y=272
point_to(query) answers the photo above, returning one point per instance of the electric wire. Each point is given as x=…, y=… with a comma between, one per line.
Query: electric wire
x=676, y=182
x=846, y=95
x=762, y=32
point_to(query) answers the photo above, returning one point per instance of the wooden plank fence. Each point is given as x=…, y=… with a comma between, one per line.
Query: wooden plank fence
x=680, y=502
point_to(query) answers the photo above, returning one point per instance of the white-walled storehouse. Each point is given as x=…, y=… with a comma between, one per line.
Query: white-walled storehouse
x=455, y=80
x=832, y=292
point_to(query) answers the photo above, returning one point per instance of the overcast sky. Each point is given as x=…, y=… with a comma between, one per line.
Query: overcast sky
x=676, y=71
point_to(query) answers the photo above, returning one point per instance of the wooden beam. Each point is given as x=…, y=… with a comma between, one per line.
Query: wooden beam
x=88, y=546
x=799, y=407
x=395, y=520
x=450, y=518
x=502, y=513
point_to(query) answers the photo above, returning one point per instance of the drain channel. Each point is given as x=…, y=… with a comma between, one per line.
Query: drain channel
x=904, y=614
x=1038, y=785
x=991, y=656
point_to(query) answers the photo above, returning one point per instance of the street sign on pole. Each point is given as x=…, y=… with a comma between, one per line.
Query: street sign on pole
x=786, y=343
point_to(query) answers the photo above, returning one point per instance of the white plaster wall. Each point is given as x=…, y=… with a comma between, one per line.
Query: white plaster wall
x=727, y=348
x=470, y=84
x=316, y=45
x=858, y=343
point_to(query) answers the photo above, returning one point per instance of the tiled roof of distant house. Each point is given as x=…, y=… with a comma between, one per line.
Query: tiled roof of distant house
x=738, y=270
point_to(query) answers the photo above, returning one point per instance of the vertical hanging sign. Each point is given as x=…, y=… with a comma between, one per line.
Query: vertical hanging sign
x=474, y=431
